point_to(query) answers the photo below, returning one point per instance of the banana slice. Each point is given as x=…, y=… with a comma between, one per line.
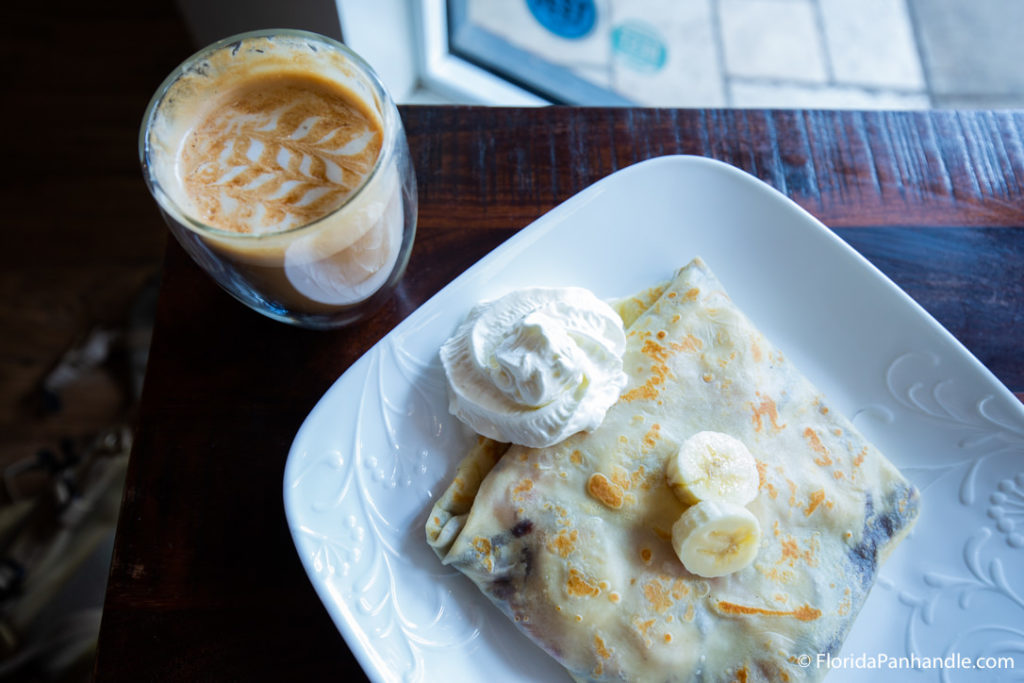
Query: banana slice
x=715, y=538
x=713, y=466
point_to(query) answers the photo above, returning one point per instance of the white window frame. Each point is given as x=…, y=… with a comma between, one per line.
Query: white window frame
x=406, y=42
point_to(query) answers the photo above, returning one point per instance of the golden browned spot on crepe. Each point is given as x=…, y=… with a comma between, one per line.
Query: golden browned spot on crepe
x=650, y=439
x=641, y=479
x=689, y=344
x=791, y=552
x=563, y=543
x=648, y=391
x=860, y=457
x=806, y=613
x=783, y=576
x=578, y=586
x=607, y=492
x=741, y=675
x=643, y=626
x=692, y=294
x=767, y=409
x=792, y=493
x=599, y=646
x=813, y=501
x=755, y=351
x=814, y=441
x=761, y=466
x=845, y=604
x=563, y=515
x=658, y=595
x=724, y=362
x=816, y=499
x=645, y=555
x=459, y=494
x=483, y=547
x=802, y=613
x=523, y=486
x=660, y=354
x=620, y=476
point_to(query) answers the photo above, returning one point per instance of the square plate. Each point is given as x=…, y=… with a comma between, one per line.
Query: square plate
x=380, y=446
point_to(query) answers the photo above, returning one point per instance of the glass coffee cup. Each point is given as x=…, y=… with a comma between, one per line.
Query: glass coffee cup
x=280, y=164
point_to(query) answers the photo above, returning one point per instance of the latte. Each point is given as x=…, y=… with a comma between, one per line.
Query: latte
x=281, y=166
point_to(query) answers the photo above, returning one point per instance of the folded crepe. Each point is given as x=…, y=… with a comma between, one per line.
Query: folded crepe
x=573, y=542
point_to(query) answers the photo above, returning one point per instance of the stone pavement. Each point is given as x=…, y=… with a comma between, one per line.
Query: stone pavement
x=872, y=53
x=820, y=53
x=869, y=54
x=972, y=51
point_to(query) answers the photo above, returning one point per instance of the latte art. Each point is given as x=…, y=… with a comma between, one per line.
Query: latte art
x=277, y=156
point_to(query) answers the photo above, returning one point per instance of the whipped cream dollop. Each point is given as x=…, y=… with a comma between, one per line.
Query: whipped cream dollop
x=536, y=365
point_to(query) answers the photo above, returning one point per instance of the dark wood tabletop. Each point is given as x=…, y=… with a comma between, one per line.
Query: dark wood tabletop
x=205, y=582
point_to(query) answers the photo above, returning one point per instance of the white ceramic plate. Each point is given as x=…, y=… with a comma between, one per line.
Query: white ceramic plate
x=380, y=446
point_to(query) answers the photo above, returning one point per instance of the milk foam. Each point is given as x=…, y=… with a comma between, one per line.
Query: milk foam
x=277, y=153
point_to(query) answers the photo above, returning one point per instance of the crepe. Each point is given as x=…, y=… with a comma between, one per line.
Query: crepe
x=573, y=542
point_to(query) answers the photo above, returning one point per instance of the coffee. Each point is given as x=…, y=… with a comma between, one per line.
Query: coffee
x=281, y=166
x=278, y=152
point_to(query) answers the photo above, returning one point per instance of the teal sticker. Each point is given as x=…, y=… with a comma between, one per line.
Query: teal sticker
x=639, y=46
x=565, y=18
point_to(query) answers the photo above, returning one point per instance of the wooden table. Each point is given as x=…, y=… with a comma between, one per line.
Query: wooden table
x=205, y=582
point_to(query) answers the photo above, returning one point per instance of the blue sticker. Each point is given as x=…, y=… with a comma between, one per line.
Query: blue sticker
x=565, y=18
x=639, y=46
